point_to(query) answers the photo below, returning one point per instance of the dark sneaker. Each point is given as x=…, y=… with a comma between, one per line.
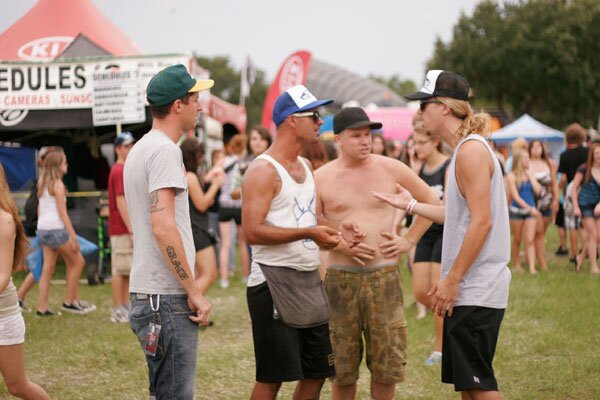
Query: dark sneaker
x=74, y=308
x=23, y=307
x=46, y=313
x=561, y=252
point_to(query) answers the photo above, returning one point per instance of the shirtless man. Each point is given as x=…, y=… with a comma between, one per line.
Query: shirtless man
x=363, y=282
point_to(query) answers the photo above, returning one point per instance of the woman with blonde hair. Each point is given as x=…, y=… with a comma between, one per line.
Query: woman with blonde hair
x=522, y=211
x=13, y=249
x=56, y=233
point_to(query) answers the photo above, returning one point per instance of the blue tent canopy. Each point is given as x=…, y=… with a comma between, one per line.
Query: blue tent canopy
x=529, y=129
x=19, y=166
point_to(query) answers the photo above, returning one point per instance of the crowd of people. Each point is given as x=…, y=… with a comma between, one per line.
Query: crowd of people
x=319, y=227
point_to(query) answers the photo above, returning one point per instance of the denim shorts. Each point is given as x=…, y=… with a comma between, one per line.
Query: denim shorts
x=588, y=211
x=518, y=214
x=53, y=238
x=172, y=370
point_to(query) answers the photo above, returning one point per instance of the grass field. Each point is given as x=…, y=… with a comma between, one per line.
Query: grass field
x=547, y=347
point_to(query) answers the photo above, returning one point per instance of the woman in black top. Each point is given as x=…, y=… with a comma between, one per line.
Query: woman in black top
x=586, y=205
x=428, y=254
x=205, y=266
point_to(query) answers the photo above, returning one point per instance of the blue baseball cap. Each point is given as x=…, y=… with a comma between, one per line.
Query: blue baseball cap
x=124, y=138
x=295, y=99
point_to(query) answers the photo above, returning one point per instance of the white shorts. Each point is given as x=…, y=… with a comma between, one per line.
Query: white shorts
x=12, y=330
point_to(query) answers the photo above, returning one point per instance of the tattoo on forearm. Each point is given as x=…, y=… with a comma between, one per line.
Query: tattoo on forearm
x=176, y=264
x=154, y=206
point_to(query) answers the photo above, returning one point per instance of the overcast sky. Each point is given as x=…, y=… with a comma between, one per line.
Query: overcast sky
x=382, y=37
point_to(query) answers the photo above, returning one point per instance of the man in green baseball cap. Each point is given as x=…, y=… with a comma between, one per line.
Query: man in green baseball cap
x=166, y=303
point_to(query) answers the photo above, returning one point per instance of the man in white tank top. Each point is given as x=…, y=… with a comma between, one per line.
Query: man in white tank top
x=279, y=221
x=363, y=282
x=473, y=291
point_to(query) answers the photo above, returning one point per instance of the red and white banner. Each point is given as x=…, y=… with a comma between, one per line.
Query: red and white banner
x=224, y=112
x=293, y=71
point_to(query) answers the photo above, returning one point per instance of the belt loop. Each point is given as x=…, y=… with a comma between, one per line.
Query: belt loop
x=157, y=303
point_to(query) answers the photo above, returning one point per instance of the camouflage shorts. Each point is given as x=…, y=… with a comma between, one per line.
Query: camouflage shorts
x=370, y=304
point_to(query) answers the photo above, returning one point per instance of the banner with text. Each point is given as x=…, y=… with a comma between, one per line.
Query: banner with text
x=55, y=85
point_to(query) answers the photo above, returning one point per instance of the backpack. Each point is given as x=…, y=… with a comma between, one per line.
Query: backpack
x=31, y=212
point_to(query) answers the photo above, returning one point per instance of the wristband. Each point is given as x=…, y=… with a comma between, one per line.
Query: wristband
x=410, y=206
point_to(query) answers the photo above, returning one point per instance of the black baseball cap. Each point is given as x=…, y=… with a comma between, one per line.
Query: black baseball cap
x=440, y=83
x=172, y=83
x=352, y=118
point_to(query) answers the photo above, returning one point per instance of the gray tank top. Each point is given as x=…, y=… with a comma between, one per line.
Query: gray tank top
x=486, y=283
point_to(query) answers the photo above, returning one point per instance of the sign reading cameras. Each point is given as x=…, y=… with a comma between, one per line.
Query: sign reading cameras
x=108, y=83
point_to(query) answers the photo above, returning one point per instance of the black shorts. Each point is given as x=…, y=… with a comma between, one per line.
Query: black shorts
x=283, y=353
x=429, y=249
x=228, y=214
x=560, y=216
x=203, y=238
x=469, y=344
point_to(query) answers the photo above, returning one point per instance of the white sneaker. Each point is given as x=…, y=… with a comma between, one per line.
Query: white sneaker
x=86, y=305
x=119, y=315
x=224, y=283
x=434, y=359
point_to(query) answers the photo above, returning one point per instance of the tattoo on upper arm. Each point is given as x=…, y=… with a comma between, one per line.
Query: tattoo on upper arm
x=176, y=263
x=154, y=206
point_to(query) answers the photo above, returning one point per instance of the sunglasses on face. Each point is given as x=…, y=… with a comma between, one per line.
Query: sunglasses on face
x=423, y=104
x=313, y=114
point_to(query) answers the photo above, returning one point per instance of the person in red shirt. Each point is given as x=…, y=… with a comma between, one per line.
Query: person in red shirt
x=119, y=230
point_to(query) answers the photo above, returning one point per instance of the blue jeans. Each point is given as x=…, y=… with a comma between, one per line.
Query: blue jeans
x=172, y=370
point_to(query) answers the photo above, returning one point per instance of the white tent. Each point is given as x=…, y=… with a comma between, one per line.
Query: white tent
x=529, y=129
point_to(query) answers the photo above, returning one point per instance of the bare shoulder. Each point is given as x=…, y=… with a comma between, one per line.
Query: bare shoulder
x=472, y=155
x=390, y=164
x=327, y=171
x=261, y=172
x=191, y=177
x=59, y=187
x=7, y=225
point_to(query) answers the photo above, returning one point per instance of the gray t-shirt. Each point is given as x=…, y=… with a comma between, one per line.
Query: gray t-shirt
x=155, y=162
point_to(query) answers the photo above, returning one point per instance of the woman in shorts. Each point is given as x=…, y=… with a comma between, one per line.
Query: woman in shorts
x=547, y=201
x=13, y=249
x=428, y=254
x=56, y=233
x=523, y=214
x=205, y=266
x=585, y=194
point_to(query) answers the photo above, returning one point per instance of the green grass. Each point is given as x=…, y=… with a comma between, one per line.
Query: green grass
x=547, y=347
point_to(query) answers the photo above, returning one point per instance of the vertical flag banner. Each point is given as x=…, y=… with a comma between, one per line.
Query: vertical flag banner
x=293, y=71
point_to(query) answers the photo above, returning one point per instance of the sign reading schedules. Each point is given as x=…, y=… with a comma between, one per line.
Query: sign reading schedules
x=118, y=98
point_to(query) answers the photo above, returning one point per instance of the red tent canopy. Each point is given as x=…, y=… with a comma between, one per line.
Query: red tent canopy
x=51, y=25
